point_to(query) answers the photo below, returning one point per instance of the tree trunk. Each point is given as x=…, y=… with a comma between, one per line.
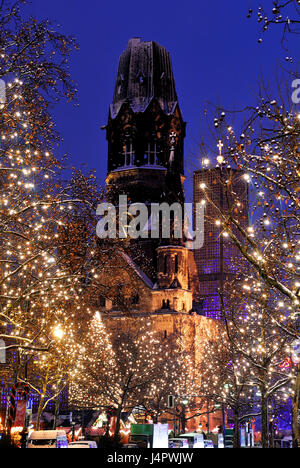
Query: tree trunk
x=56, y=413
x=183, y=420
x=296, y=411
x=118, y=423
x=39, y=413
x=271, y=435
x=108, y=426
x=13, y=395
x=236, y=431
x=264, y=420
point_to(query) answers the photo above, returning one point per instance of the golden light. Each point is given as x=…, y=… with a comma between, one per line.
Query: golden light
x=58, y=333
x=220, y=159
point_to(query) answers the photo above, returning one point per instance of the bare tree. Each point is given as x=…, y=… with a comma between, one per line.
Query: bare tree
x=283, y=13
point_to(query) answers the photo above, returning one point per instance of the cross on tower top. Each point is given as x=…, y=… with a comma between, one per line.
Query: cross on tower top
x=220, y=146
x=220, y=158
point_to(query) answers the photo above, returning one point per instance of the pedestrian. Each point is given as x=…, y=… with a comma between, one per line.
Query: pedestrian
x=24, y=436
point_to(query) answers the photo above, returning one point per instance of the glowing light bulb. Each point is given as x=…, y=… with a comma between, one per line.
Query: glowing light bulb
x=58, y=333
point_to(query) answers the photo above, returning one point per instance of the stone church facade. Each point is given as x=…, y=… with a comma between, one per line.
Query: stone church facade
x=157, y=278
x=145, y=134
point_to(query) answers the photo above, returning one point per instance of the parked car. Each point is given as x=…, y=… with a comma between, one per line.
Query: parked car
x=47, y=439
x=83, y=444
x=194, y=439
x=209, y=444
x=178, y=443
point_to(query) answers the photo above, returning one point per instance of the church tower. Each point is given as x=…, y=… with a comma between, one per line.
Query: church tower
x=145, y=134
x=143, y=116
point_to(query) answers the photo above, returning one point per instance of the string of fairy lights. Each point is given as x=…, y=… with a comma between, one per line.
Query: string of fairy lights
x=39, y=297
x=127, y=364
x=262, y=326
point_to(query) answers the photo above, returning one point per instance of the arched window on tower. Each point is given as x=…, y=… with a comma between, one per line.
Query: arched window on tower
x=165, y=264
x=176, y=265
x=120, y=84
x=152, y=155
x=128, y=155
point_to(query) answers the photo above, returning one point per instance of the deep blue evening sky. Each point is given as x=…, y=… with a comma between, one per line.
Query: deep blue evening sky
x=214, y=48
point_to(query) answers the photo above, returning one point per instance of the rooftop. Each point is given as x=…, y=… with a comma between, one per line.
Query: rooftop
x=144, y=73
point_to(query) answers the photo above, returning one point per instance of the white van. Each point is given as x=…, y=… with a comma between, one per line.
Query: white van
x=47, y=439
